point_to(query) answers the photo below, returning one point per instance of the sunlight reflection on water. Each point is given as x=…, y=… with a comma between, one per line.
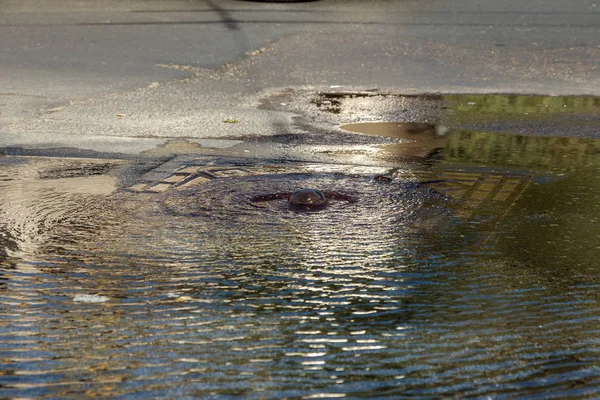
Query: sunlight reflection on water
x=203, y=294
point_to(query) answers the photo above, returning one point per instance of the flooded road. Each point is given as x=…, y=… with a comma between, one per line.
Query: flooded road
x=469, y=274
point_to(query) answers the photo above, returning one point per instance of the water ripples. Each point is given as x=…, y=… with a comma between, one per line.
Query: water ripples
x=289, y=331
x=268, y=302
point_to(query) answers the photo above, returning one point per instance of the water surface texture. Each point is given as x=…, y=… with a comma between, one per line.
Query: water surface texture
x=481, y=282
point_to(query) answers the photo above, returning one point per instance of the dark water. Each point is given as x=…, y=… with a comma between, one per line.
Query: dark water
x=199, y=293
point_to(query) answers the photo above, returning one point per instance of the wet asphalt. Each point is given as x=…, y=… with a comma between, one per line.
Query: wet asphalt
x=134, y=136
x=127, y=78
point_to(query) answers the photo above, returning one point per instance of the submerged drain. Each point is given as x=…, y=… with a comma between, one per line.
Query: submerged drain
x=305, y=198
x=260, y=197
x=258, y=192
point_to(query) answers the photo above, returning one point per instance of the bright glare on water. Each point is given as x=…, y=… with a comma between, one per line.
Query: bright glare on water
x=449, y=289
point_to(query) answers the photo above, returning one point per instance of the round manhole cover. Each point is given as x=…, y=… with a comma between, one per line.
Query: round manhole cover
x=265, y=198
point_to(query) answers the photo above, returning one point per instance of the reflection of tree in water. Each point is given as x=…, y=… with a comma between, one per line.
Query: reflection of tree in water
x=555, y=220
x=556, y=225
x=521, y=151
x=549, y=234
x=468, y=106
x=535, y=283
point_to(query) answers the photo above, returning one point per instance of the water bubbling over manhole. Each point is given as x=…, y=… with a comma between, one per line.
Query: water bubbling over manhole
x=260, y=199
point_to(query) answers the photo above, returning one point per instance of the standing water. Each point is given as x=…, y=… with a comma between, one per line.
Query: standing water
x=470, y=275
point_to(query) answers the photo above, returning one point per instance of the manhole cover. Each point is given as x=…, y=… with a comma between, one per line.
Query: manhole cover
x=232, y=190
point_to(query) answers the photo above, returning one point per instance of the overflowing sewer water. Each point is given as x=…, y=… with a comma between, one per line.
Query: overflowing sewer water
x=471, y=274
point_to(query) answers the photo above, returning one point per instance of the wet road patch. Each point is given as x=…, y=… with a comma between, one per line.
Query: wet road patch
x=324, y=111
x=163, y=284
x=189, y=279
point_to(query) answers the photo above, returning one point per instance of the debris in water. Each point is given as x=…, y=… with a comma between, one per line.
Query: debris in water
x=179, y=298
x=90, y=298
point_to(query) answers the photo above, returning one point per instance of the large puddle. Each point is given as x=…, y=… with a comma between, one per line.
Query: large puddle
x=471, y=274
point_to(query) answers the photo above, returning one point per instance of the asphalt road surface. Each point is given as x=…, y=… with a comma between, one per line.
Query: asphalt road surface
x=154, y=255
x=127, y=76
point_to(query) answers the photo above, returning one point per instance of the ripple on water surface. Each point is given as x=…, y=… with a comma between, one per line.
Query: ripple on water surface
x=207, y=294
